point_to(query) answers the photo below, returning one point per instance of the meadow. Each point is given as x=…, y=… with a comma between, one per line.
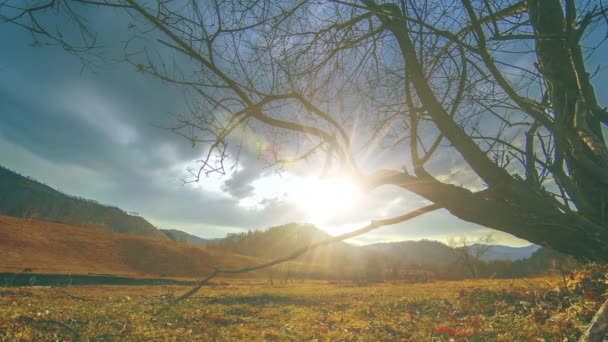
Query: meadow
x=537, y=309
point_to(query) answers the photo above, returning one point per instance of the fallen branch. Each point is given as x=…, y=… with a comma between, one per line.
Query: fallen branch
x=75, y=334
x=32, y=321
x=598, y=328
x=74, y=296
x=375, y=224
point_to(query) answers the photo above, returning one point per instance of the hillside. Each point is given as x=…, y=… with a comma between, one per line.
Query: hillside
x=44, y=247
x=52, y=248
x=282, y=240
x=416, y=253
x=183, y=237
x=498, y=252
x=335, y=261
x=425, y=251
x=27, y=198
x=85, y=243
x=393, y=260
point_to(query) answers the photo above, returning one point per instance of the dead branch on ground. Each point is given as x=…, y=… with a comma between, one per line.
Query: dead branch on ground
x=375, y=224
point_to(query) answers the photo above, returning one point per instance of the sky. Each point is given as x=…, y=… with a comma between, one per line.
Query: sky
x=95, y=133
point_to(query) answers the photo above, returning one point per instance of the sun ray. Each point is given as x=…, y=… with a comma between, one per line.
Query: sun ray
x=322, y=200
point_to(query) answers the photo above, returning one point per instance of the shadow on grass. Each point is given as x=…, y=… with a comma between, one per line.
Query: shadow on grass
x=33, y=279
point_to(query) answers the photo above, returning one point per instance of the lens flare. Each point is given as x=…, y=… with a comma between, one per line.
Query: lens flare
x=322, y=200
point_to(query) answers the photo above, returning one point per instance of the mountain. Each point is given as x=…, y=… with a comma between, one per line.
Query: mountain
x=281, y=241
x=498, y=252
x=183, y=237
x=420, y=253
x=28, y=245
x=52, y=248
x=425, y=251
x=25, y=197
x=79, y=244
x=339, y=260
x=276, y=242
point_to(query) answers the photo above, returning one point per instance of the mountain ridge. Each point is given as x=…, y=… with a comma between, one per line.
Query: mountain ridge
x=187, y=238
x=33, y=246
x=502, y=252
x=25, y=197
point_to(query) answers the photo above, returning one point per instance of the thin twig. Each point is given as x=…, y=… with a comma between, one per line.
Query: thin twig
x=32, y=321
x=75, y=333
x=74, y=296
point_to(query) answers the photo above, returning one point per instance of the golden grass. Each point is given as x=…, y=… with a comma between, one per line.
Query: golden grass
x=488, y=310
x=45, y=247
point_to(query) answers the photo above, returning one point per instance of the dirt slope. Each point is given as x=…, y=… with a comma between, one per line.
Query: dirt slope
x=45, y=247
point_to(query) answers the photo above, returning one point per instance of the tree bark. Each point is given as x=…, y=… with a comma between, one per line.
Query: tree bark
x=515, y=209
x=598, y=328
x=577, y=123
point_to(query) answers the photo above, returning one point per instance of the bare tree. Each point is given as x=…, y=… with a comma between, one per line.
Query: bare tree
x=501, y=85
x=470, y=253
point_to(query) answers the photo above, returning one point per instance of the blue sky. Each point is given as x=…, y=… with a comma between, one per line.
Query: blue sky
x=94, y=133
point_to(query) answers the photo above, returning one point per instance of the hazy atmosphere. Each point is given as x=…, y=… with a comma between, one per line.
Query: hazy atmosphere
x=304, y=170
x=95, y=132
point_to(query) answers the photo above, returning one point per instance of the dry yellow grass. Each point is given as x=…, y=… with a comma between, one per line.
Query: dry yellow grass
x=487, y=310
x=45, y=247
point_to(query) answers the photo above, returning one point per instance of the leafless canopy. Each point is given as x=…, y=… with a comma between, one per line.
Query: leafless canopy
x=502, y=85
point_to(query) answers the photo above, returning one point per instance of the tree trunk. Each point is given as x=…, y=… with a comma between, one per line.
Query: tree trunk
x=524, y=213
x=577, y=121
x=570, y=233
x=581, y=157
x=598, y=328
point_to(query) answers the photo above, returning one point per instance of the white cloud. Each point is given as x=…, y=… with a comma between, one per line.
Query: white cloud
x=103, y=114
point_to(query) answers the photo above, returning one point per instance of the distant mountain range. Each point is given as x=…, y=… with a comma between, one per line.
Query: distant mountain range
x=424, y=251
x=280, y=241
x=25, y=197
x=498, y=252
x=42, y=247
x=283, y=240
x=421, y=253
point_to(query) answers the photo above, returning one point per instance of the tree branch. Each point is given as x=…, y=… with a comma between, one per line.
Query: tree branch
x=375, y=224
x=598, y=328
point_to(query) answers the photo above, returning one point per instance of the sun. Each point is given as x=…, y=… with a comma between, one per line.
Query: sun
x=322, y=200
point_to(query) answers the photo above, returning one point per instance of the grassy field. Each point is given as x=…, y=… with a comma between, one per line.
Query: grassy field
x=488, y=310
x=40, y=247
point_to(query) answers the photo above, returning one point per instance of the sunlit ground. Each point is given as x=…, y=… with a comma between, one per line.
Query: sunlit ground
x=485, y=310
